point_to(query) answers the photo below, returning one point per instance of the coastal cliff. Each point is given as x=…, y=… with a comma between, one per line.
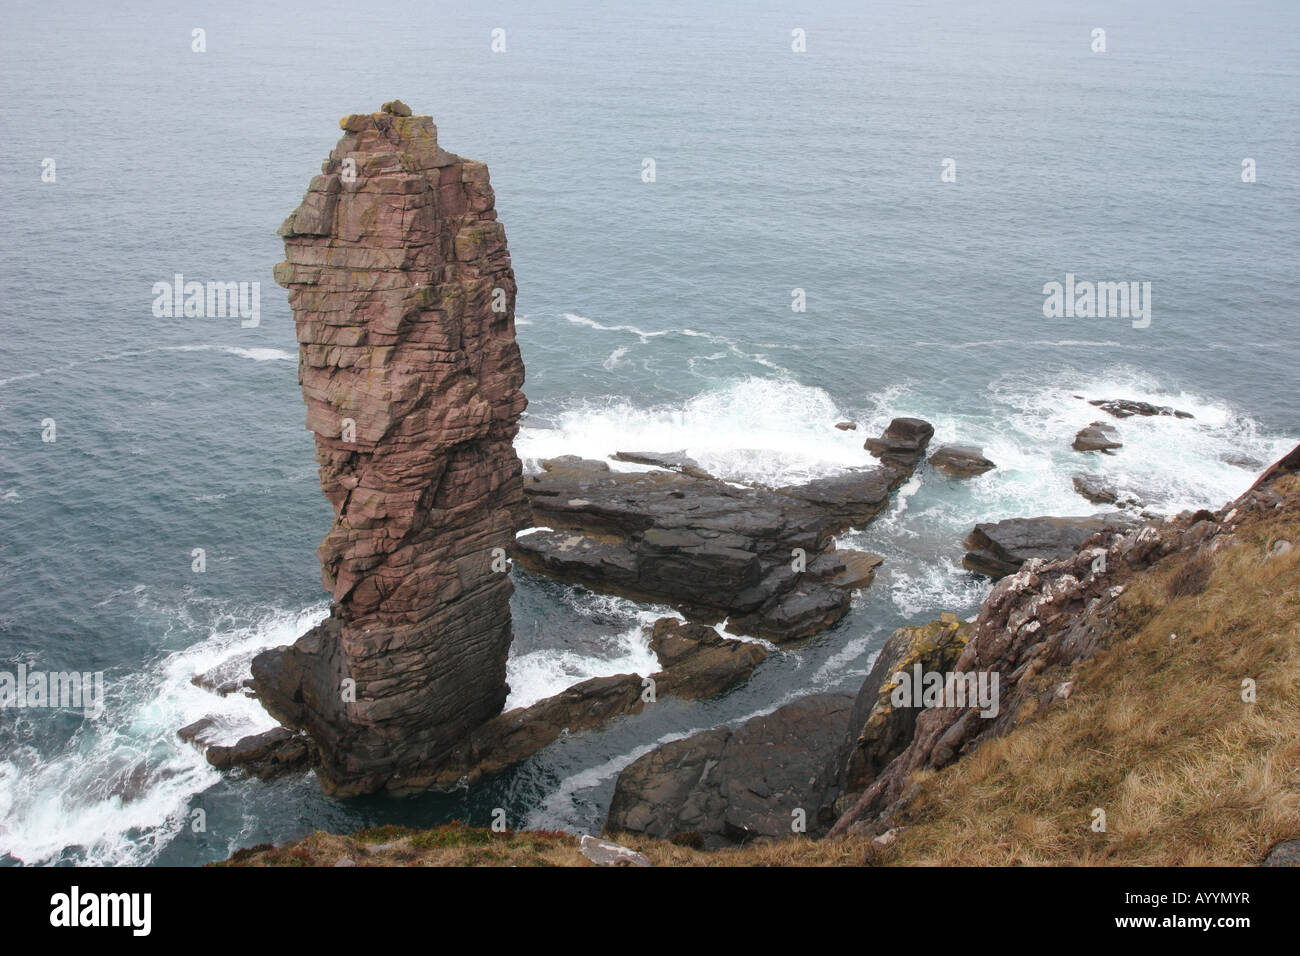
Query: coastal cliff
x=403, y=297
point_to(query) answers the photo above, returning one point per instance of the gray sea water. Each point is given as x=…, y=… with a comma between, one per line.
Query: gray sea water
x=652, y=315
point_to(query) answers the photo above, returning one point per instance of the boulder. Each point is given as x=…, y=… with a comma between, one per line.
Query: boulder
x=699, y=662
x=730, y=787
x=1097, y=437
x=905, y=440
x=1286, y=853
x=1000, y=548
x=269, y=754
x=604, y=853
x=961, y=461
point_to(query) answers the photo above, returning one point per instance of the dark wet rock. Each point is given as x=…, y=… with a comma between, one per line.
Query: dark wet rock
x=847, y=426
x=1097, y=437
x=735, y=786
x=265, y=755
x=1127, y=408
x=1000, y=548
x=695, y=662
x=961, y=461
x=699, y=662
x=904, y=441
x=1103, y=491
x=853, y=498
x=1096, y=488
x=199, y=732
x=517, y=734
x=671, y=461
x=762, y=559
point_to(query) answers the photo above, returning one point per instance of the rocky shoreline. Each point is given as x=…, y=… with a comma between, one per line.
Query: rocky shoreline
x=403, y=297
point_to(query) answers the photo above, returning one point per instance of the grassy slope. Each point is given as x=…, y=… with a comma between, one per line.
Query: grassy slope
x=1155, y=733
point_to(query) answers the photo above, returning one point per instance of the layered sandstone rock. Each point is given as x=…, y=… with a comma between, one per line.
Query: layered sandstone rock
x=403, y=297
x=763, y=559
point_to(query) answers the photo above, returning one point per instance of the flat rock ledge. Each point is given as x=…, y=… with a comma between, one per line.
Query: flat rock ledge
x=772, y=777
x=764, y=560
x=1002, y=547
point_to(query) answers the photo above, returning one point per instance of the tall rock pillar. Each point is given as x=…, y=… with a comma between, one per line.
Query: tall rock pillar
x=403, y=297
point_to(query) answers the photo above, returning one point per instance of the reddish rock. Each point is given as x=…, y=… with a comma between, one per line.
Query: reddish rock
x=403, y=297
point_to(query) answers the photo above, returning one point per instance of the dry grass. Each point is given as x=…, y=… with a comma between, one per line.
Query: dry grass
x=1156, y=734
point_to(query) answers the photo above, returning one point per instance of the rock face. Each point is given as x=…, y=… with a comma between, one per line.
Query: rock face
x=762, y=559
x=1036, y=625
x=961, y=461
x=1001, y=548
x=877, y=730
x=734, y=786
x=403, y=298
x=1097, y=437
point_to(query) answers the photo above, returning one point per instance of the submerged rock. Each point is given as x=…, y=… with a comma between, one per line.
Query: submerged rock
x=1127, y=408
x=1097, y=437
x=961, y=461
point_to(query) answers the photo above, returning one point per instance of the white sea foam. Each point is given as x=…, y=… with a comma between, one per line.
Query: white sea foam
x=770, y=430
x=123, y=786
x=533, y=675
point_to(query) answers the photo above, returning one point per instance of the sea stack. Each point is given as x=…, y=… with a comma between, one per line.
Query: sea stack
x=403, y=297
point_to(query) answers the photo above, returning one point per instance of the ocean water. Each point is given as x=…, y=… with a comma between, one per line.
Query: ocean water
x=651, y=315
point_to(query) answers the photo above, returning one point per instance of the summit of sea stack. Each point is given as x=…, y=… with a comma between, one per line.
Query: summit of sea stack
x=403, y=299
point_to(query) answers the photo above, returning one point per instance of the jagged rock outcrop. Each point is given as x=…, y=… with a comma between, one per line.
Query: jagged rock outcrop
x=403, y=297
x=1046, y=618
x=762, y=559
x=878, y=731
x=1000, y=548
